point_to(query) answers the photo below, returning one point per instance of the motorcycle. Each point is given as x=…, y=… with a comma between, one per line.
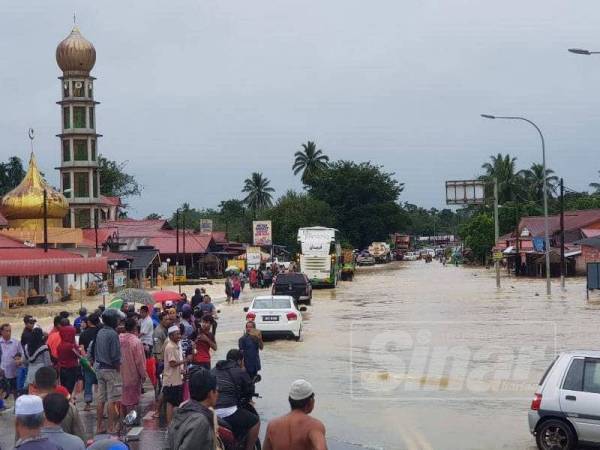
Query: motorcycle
x=123, y=436
x=229, y=440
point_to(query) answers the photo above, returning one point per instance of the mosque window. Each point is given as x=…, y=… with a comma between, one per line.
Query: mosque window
x=66, y=144
x=95, y=184
x=81, y=153
x=93, y=158
x=66, y=184
x=66, y=118
x=82, y=218
x=78, y=89
x=92, y=117
x=90, y=90
x=65, y=88
x=82, y=185
x=79, y=117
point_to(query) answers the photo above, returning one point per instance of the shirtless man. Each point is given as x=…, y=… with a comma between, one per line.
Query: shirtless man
x=297, y=430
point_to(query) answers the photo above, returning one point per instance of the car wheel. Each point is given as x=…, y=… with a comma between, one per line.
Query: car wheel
x=555, y=435
x=297, y=338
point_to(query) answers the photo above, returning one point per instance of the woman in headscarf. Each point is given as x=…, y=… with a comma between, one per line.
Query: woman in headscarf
x=68, y=358
x=37, y=354
x=133, y=365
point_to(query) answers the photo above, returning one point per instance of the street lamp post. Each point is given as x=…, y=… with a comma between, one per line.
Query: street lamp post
x=581, y=51
x=546, y=226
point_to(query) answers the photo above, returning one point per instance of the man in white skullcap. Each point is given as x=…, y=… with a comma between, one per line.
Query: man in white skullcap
x=297, y=430
x=29, y=418
x=172, y=375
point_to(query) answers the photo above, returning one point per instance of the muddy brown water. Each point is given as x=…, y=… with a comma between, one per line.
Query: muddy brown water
x=418, y=356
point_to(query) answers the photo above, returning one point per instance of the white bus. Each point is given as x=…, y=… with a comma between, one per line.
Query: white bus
x=320, y=255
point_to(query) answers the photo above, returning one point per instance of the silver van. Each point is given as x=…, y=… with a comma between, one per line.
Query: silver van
x=565, y=410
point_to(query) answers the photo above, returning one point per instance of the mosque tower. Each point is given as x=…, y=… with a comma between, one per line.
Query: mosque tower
x=79, y=168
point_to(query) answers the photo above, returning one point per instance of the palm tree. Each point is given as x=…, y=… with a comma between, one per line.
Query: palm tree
x=310, y=161
x=533, y=179
x=259, y=192
x=502, y=168
x=596, y=186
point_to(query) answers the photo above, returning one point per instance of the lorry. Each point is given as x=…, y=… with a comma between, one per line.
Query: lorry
x=401, y=244
x=381, y=252
x=348, y=264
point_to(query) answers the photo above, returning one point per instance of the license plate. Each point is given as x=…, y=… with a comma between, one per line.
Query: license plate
x=270, y=318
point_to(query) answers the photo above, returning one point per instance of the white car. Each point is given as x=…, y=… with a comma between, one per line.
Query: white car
x=410, y=256
x=565, y=410
x=276, y=315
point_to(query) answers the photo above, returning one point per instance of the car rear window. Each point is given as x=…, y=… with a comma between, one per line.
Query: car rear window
x=591, y=377
x=278, y=303
x=574, y=379
x=286, y=278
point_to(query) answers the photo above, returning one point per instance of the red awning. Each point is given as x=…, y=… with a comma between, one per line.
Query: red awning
x=36, y=265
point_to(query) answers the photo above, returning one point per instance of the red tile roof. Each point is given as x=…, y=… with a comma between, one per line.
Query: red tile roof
x=89, y=234
x=7, y=242
x=166, y=242
x=574, y=220
x=220, y=237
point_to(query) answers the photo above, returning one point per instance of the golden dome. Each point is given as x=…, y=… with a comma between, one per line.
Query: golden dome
x=76, y=54
x=23, y=207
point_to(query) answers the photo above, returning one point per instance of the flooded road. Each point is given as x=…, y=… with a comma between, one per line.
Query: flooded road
x=416, y=356
x=420, y=356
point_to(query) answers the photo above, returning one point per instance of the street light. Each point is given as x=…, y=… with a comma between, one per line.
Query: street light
x=546, y=227
x=581, y=51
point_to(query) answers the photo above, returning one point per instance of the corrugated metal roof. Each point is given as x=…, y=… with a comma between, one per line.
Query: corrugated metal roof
x=34, y=261
x=574, y=220
x=141, y=259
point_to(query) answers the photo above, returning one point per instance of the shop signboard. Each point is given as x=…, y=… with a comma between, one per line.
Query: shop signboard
x=262, y=232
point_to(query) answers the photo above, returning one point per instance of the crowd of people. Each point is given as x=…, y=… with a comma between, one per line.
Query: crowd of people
x=109, y=354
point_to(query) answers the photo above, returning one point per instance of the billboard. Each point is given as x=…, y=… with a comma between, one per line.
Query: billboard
x=253, y=255
x=465, y=192
x=262, y=232
x=206, y=226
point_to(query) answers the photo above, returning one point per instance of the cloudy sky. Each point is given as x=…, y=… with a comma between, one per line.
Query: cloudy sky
x=197, y=94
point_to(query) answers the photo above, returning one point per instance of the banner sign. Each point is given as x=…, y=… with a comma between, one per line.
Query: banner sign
x=261, y=230
x=253, y=255
x=120, y=279
x=206, y=226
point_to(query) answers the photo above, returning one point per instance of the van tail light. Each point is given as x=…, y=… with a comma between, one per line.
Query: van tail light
x=536, y=402
x=292, y=316
x=250, y=316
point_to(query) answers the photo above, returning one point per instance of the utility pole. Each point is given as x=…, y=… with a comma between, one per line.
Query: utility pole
x=45, y=221
x=177, y=247
x=562, y=235
x=496, y=231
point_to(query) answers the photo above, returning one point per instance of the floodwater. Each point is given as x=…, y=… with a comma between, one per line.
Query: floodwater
x=417, y=356
x=421, y=356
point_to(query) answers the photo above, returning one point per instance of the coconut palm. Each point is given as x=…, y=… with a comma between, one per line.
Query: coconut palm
x=503, y=168
x=533, y=179
x=258, y=192
x=596, y=186
x=309, y=161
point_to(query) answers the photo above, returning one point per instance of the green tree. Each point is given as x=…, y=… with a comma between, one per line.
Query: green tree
x=293, y=211
x=363, y=199
x=596, y=186
x=533, y=179
x=259, y=193
x=503, y=168
x=478, y=235
x=11, y=174
x=309, y=161
x=153, y=216
x=114, y=181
